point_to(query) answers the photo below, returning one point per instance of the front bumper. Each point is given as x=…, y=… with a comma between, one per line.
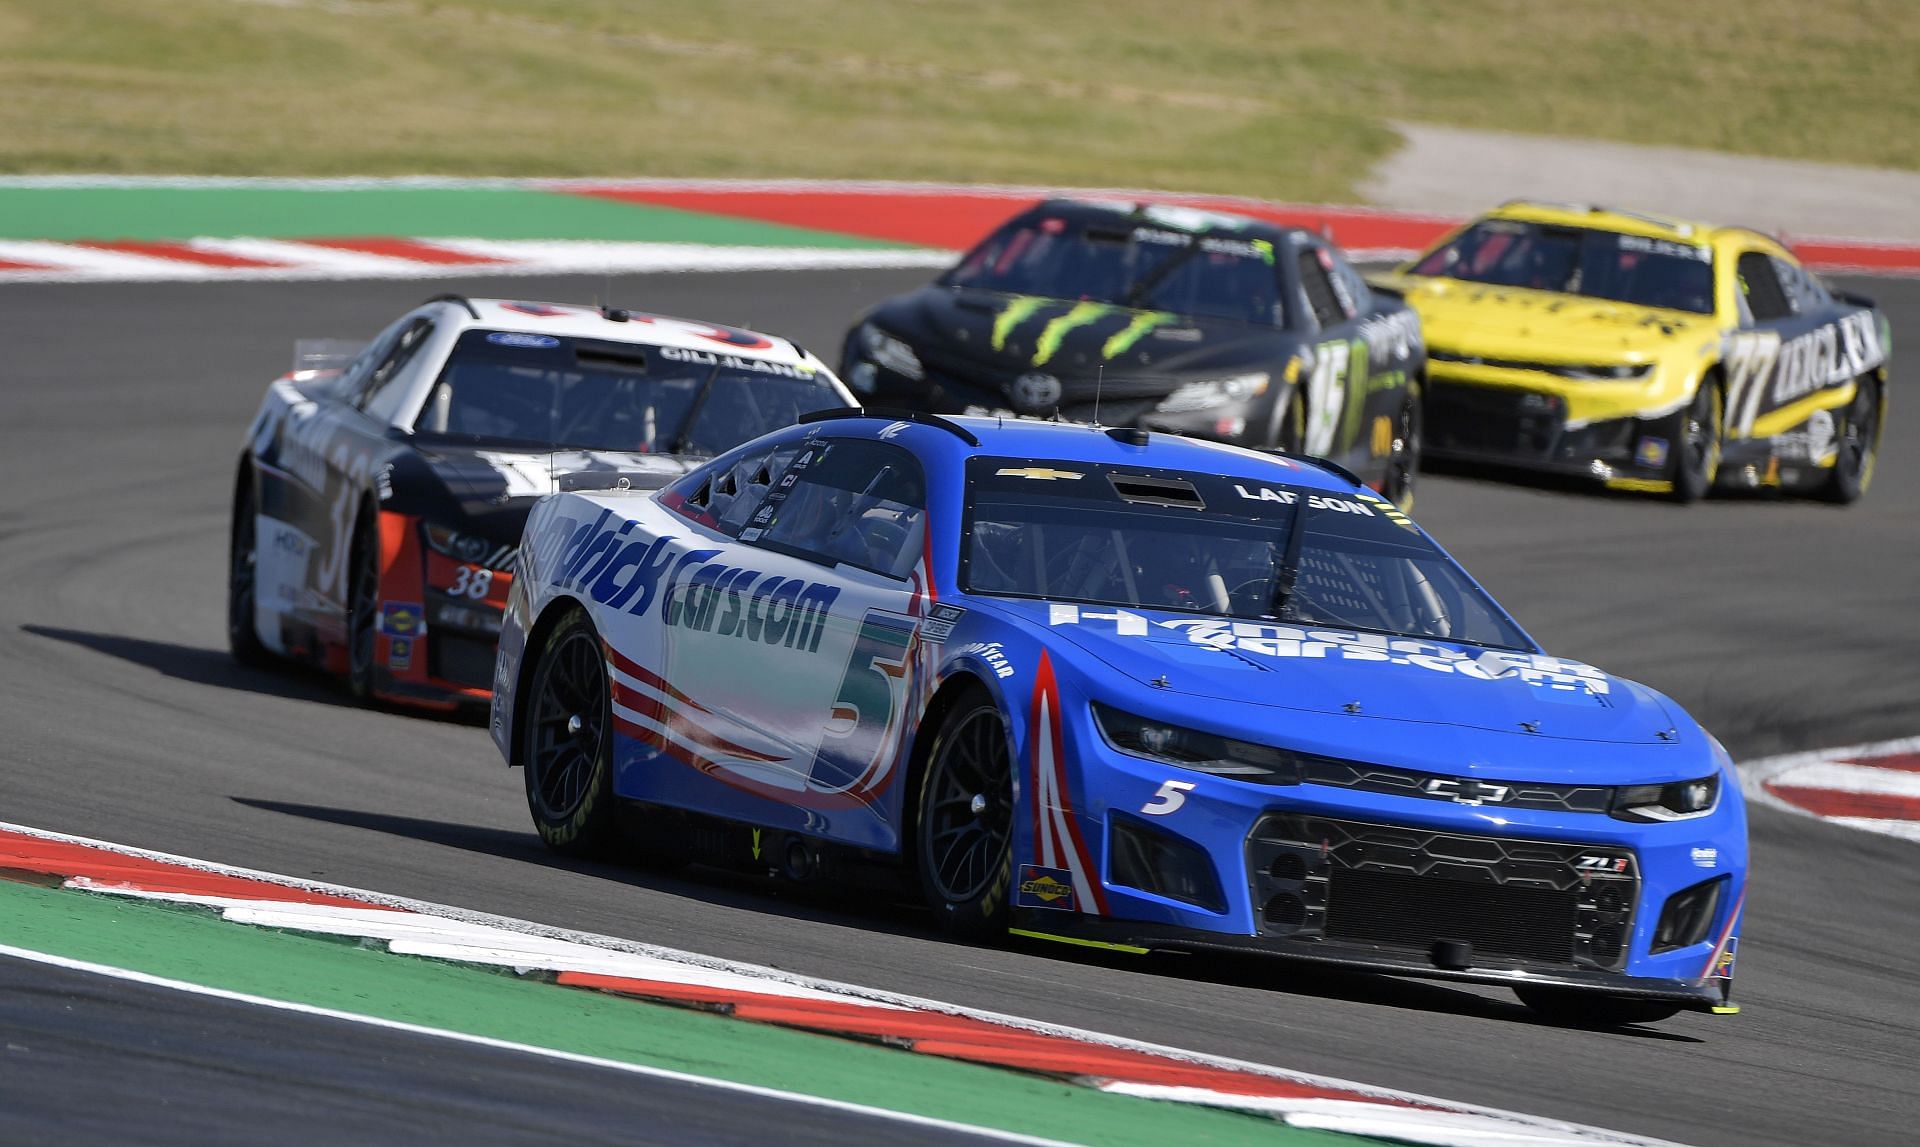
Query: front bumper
x=1409, y=885
x=1713, y=996
x=952, y=387
x=439, y=623
x=1503, y=426
x=1619, y=432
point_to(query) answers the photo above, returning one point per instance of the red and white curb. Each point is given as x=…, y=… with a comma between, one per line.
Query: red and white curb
x=1875, y=787
x=766, y=995
x=199, y=260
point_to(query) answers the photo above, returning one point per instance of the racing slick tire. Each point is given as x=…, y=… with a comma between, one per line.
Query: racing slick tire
x=963, y=839
x=243, y=560
x=566, y=742
x=1695, y=435
x=1858, y=445
x=1574, y=1008
x=1289, y=432
x=1403, y=462
x=363, y=608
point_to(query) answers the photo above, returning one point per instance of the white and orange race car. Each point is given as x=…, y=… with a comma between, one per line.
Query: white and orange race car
x=379, y=499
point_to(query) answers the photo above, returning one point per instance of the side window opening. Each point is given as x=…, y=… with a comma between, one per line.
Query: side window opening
x=411, y=338
x=1760, y=285
x=723, y=495
x=1318, y=285
x=1803, y=290
x=846, y=501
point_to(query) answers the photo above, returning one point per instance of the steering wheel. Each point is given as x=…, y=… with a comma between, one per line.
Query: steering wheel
x=885, y=539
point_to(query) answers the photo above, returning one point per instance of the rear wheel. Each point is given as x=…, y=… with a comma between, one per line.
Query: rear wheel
x=566, y=742
x=1857, y=447
x=1573, y=1008
x=964, y=841
x=363, y=608
x=243, y=558
x=1403, y=462
x=1696, y=445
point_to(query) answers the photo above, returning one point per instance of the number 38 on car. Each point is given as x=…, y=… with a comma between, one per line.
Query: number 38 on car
x=1118, y=688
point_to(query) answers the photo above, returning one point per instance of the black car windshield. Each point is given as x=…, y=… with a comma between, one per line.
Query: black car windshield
x=1204, y=544
x=1579, y=261
x=1142, y=265
x=508, y=387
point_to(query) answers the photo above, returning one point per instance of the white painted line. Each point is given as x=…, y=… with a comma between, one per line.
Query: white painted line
x=1837, y=777
x=305, y=256
x=529, y=1049
x=561, y=256
x=73, y=259
x=420, y=934
x=1403, y=1124
x=1904, y=829
x=1754, y=775
x=769, y=980
x=67, y=263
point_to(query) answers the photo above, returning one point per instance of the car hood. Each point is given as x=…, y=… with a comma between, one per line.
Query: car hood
x=1362, y=676
x=495, y=487
x=1010, y=335
x=1518, y=324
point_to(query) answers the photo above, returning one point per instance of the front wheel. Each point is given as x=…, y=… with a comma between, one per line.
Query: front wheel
x=363, y=609
x=1857, y=447
x=964, y=843
x=1696, y=447
x=566, y=742
x=1573, y=1008
x=1403, y=460
x=243, y=560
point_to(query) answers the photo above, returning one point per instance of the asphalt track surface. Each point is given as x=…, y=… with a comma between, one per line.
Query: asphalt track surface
x=164, y=1067
x=1781, y=625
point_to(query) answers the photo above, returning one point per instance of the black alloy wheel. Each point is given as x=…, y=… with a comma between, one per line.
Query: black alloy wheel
x=1696, y=446
x=964, y=837
x=566, y=742
x=363, y=609
x=1858, y=445
x=1403, y=460
x=243, y=638
x=1570, y=1007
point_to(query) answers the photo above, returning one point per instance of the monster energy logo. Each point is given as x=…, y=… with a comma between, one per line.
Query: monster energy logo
x=1020, y=309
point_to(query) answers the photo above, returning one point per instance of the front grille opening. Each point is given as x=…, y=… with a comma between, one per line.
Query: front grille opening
x=1159, y=862
x=1688, y=916
x=1412, y=911
x=1288, y=866
x=461, y=660
x=1285, y=910
x=1395, y=886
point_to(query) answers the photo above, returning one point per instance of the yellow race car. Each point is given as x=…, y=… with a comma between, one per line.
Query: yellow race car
x=1647, y=353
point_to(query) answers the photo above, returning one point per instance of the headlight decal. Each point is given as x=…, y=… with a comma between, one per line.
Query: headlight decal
x=1195, y=750
x=1211, y=392
x=890, y=353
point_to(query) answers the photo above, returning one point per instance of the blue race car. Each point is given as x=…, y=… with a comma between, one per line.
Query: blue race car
x=1120, y=688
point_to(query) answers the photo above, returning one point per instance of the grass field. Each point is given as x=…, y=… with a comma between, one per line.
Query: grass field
x=1262, y=97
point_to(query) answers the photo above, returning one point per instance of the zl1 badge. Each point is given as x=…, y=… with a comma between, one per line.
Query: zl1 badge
x=1045, y=888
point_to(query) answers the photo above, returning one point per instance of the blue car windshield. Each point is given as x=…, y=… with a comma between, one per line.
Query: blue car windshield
x=1578, y=261
x=1205, y=544
x=1149, y=267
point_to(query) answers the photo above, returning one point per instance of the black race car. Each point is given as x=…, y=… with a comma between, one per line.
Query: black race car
x=1165, y=318
x=378, y=504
